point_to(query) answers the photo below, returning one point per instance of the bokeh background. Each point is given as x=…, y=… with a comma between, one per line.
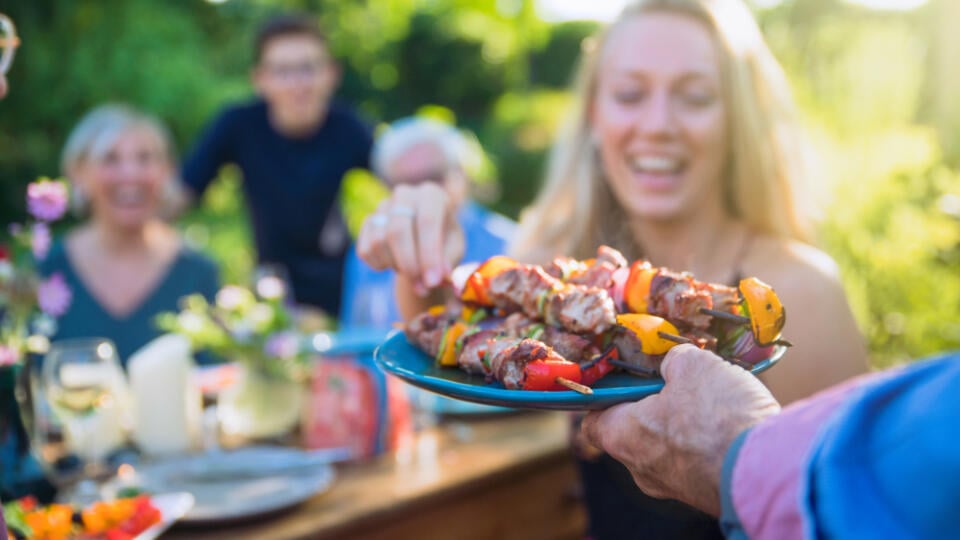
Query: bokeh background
x=876, y=80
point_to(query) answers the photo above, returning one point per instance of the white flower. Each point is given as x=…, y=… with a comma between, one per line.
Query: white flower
x=261, y=314
x=232, y=297
x=6, y=271
x=190, y=322
x=38, y=344
x=45, y=325
x=270, y=288
x=242, y=332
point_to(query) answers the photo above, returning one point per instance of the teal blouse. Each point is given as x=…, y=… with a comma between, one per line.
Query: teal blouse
x=190, y=273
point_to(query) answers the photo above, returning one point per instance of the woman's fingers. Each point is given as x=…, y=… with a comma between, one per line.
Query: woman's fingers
x=432, y=212
x=415, y=233
x=402, y=232
x=372, y=241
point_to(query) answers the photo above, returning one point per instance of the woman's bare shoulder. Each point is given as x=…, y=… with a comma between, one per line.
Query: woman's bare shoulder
x=791, y=264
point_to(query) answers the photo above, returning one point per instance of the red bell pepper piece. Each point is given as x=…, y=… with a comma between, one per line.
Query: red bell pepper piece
x=542, y=374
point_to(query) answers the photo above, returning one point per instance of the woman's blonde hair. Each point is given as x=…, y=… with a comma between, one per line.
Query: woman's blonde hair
x=99, y=130
x=576, y=210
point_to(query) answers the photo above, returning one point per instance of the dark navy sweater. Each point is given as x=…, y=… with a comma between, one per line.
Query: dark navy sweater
x=291, y=187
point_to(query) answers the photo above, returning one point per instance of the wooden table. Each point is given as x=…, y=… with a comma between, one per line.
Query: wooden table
x=506, y=477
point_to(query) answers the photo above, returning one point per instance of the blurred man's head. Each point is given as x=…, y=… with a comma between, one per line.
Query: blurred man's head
x=416, y=150
x=294, y=73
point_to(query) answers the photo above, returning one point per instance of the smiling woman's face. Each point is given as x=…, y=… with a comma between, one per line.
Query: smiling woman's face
x=659, y=117
x=125, y=183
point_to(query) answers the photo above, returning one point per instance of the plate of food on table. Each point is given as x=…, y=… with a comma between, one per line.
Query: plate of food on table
x=241, y=484
x=578, y=334
x=141, y=517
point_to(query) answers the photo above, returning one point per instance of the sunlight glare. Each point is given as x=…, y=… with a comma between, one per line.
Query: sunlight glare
x=893, y=5
x=607, y=10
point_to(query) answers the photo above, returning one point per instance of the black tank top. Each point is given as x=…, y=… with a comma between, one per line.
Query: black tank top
x=618, y=510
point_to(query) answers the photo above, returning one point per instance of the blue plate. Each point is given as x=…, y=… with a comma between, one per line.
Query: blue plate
x=398, y=357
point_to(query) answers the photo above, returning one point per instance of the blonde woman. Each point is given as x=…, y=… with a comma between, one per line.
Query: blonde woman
x=682, y=148
x=124, y=264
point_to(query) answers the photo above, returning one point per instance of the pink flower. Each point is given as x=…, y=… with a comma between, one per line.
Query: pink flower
x=282, y=345
x=47, y=200
x=54, y=295
x=40, y=241
x=8, y=355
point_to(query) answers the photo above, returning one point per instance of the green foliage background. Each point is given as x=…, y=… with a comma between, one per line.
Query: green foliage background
x=878, y=89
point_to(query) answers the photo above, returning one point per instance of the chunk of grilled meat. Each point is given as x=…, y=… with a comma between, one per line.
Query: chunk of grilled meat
x=529, y=289
x=573, y=347
x=724, y=298
x=677, y=298
x=508, y=357
x=426, y=330
x=474, y=349
x=597, y=273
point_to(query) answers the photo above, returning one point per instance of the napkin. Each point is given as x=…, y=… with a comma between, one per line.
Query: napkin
x=167, y=403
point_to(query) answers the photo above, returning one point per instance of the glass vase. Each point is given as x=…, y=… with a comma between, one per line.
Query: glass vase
x=20, y=473
x=260, y=405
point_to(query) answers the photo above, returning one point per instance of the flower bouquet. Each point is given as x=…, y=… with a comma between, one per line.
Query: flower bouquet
x=258, y=330
x=29, y=304
x=29, y=308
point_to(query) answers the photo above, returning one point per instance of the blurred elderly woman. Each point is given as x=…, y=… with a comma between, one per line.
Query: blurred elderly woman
x=124, y=264
x=413, y=151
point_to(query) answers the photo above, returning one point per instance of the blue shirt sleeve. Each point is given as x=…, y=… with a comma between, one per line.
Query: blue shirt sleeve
x=487, y=233
x=351, y=268
x=885, y=465
x=214, y=149
x=729, y=522
x=890, y=467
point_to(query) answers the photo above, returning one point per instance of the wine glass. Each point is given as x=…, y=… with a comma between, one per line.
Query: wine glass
x=82, y=415
x=8, y=43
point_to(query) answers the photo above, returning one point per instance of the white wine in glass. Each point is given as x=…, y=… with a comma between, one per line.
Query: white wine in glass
x=82, y=418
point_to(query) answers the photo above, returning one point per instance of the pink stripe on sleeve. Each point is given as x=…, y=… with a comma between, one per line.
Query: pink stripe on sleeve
x=770, y=470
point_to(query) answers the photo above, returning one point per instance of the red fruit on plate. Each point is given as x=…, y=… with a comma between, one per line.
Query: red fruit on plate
x=28, y=503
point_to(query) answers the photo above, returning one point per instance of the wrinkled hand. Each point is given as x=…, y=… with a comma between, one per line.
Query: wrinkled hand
x=674, y=442
x=415, y=232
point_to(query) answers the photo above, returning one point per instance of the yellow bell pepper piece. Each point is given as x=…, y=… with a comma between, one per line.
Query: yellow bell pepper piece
x=447, y=356
x=767, y=315
x=636, y=290
x=647, y=328
x=475, y=290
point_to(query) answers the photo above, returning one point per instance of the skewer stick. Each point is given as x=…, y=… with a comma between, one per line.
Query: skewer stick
x=596, y=359
x=591, y=362
x=635, y=370
x=726, y=315
x=576, y=387
x=674, y=338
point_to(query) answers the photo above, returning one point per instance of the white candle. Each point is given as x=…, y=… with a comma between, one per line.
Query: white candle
x=166, y=401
